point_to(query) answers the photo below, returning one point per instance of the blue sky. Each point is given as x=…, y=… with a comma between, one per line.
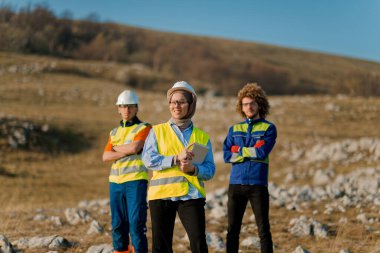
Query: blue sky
x=342, y=27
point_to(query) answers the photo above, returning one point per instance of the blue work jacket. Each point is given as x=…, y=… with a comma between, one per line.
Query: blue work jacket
x=256, y=139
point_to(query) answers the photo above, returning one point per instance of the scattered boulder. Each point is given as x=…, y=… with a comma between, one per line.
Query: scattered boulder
x=102, y=248
x=299, y=249
x=303, y=226
x=56, y=221
x=361, y=186
x=51, y=242
x=27, y=135
x=94, y=204
x=217, y=203
x=75, y=216
x=323, y=177
x=362, y=218
x=215, y=241
x=40, y=217
x=219, y=212
x=95, y=228
x=5, y=245
x=345, y=151
x=251, y=242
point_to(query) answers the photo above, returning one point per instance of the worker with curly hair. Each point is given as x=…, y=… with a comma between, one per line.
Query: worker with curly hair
x=247, y=147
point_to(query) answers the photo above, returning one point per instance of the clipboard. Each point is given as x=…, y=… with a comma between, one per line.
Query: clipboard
x=199, y=151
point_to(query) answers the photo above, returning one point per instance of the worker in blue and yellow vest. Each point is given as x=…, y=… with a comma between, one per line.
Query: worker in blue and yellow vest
x=128, y=177
x=177, y=183
x=247, y=147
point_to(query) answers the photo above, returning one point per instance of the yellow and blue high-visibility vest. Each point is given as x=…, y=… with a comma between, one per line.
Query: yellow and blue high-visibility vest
x=172, y=182
x=250, y=166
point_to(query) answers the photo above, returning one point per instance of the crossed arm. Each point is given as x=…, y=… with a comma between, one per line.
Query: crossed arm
x=261, y=149
x=121, y=151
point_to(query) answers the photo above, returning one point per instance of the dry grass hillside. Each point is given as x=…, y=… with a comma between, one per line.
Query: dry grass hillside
x=212, y=64
x=328, y=135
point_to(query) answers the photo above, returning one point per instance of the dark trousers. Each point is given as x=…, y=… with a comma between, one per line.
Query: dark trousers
x=128, y=215
x=192, y=215
x=258, y=196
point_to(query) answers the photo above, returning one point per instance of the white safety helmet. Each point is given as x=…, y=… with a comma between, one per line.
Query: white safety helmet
x=181, y=85
x=127, y=97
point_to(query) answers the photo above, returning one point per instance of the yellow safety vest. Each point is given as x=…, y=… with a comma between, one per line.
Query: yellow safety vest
x=172, y=182
x=131, y=167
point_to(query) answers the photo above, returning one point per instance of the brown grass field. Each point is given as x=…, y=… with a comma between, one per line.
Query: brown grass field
x=55, y=181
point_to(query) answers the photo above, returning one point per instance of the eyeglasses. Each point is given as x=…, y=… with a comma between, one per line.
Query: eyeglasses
x=128, y=106
x=180, y=103
x=249, y=104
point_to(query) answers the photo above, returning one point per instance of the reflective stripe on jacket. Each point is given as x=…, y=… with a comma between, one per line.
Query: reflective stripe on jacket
x=172, y=182
x=256, y=139
x=130, y=167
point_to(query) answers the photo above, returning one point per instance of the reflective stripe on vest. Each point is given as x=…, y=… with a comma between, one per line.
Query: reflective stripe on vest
x=130, y=167
x=172, y=182
x=127, y=170
x=169, y=180
x=258, y=129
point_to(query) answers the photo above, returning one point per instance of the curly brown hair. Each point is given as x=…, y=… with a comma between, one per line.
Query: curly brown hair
x=254, y=91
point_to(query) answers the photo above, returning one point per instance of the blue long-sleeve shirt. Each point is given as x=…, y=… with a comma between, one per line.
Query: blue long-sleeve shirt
x=153, y=160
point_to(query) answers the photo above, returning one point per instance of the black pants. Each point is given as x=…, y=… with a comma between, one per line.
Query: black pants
x=238, y=196
x=192, y=216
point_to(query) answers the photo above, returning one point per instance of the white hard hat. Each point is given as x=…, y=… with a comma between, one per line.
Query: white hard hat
x=181, y=85
x=127, y=97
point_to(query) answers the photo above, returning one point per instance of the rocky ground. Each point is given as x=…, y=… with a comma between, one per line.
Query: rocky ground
x=324, y=176
x=344, y=199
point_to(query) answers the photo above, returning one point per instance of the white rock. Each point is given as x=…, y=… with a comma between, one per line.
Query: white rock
x=218, y=157
x=215, y=241
x=95, y=228
x=251, y=242
x=252, y=218
x=52, y=242
x=322, y=177
x=303, y=226
x=290, y=177
x=75, y=216
x=102, y=248
x=300, y=227
x=343, y=220
x=93, y=204
x=5, y=245
x=218, y=212
x=56, y=220
x=40, y=217
x=368, y=185
x=376, y=201
x=362, y=217
x=299, y=249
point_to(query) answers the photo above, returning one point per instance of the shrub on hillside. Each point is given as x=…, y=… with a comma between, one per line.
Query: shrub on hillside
x=358, y=83
x=27, y=135
x=220, y=65
x=274, y=80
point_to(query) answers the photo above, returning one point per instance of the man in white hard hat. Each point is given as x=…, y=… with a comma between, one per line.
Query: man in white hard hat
x=177, y=182
x=128, y=177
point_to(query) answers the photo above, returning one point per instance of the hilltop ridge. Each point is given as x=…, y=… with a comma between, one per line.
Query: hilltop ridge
x=214, y=65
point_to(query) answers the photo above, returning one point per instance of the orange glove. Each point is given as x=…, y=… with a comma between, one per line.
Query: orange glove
x=259, y=143
x=235, y=149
